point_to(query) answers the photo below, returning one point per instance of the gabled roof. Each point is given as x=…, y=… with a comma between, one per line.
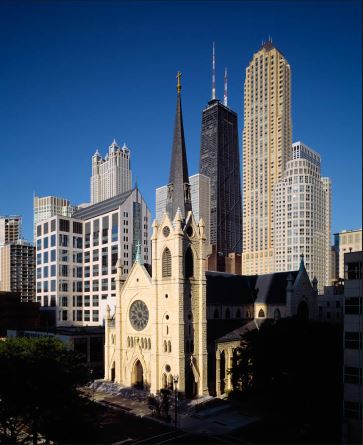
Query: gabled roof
x=102, y=207
x=237, y=333
x=271, y=288
x=224, y=288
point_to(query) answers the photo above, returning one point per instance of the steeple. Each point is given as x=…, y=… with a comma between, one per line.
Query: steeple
x=178, y=194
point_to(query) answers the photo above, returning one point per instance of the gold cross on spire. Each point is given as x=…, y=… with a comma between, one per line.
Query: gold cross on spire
x=178, y=87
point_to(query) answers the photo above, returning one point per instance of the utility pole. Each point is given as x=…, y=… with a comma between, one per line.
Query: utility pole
x=176, y=378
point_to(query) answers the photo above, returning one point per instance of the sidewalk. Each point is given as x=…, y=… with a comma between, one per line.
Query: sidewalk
x=215, y=420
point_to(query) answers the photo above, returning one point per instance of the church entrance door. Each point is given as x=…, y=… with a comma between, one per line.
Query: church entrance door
x=138, y=375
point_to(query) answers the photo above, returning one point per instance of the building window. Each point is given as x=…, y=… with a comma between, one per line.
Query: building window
x=166, y=263
x=261, y=313
x=77, y=227
x=95, y=300
x=104, y=284
x=216, y=314
x=64, y=225
x=189, y=263
x=352, y=410
x=353, y=340
x=114, y=233
x=353, y=305
x=353, y=375
x=277, y=314
x=64, y=315
x=95, y=315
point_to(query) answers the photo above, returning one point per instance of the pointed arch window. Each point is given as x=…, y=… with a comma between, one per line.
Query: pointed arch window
x=277, y=314
x=261, y=313
x=216, y=314
x=166, y=263
x=169, y=346
x=189, y=263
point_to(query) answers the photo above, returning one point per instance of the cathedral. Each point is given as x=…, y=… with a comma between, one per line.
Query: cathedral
x=172, y=318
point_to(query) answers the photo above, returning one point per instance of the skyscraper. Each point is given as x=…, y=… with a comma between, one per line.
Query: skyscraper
x=10, y=229
x=267, y=139
x=17, y=268
x=219, y=160
x=302, y=216
x=111, y=176
x=47, y=206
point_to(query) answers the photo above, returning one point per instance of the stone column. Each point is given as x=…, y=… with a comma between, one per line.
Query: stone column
x=218, y=373
x=229, y=364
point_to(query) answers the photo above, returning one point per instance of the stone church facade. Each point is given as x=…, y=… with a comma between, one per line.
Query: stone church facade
x=159, y=328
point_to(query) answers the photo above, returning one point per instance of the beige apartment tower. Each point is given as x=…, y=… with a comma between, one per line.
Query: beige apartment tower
x=267, y=139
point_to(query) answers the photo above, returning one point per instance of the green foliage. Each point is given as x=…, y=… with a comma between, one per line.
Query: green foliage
x=296, y=367
x=160, y=405
x=38, y=384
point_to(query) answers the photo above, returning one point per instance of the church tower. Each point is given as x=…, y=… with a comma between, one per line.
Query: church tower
x=178, y=252
x=158, y=334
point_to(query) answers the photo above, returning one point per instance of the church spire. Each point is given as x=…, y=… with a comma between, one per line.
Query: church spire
x=178, y=194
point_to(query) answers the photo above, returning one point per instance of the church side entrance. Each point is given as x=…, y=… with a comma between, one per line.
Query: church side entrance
x=137, y=377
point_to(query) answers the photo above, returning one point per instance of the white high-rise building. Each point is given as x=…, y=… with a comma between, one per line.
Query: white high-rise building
x=76, y=257
x=303, y=216
x=266, y=144
x=200, y=198
x=47, y=206
x=111, y=176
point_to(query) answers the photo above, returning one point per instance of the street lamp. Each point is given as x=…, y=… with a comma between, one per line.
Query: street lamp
x=93, y=385
x=175, y=379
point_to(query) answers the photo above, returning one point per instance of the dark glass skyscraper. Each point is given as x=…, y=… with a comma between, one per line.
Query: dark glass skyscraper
x=219, y=159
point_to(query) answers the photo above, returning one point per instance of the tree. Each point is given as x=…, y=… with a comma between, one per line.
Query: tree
x=39, y=378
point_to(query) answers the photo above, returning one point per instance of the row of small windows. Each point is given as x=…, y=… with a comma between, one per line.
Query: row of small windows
x=261, y=314
x=145, y=343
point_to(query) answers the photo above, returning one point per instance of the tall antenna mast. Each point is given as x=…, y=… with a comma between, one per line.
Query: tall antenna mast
x=225, y=96
x=213, y=75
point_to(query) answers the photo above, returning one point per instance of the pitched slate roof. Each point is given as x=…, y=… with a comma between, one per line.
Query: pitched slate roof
x=271, y=288
x=225, y=288
x=237, y=333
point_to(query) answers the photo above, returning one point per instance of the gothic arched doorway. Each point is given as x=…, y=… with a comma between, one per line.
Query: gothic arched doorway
x=191, y=386
x=303, y=311
x=222, y=372
x=113, y=372
x=138, y=375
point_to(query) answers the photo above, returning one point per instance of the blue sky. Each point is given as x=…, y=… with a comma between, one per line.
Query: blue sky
x=76, y=74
